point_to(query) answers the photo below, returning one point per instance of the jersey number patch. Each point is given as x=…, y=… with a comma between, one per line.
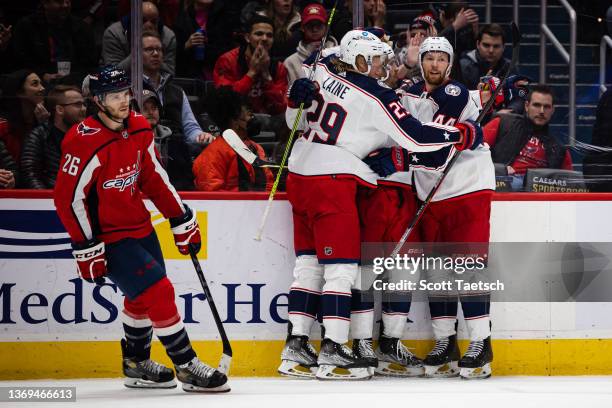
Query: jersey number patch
x=398, y=110
x=71, y=165
x=330, y=122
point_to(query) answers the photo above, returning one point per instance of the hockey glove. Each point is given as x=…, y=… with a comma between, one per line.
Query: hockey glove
x=516, y=86
x=471, y=135
x=91, y=261
x=387, y=161
x=303, y=90
x=186, y=232
x=490, y=83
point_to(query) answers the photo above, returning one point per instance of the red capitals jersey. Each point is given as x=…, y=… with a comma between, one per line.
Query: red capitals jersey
x=101, y=177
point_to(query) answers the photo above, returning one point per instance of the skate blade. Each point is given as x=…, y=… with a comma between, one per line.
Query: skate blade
x=388, y=369
x=447, y=370
x=479, y=373
x=330, y=372
x=294, y=369
x=194, y=388
x=140, y=383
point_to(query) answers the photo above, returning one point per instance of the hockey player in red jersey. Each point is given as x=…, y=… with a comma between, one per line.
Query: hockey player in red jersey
x=108, y=160
x=458, y=213
x=348, y=115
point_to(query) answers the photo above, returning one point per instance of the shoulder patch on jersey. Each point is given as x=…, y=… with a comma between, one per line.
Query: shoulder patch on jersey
x=452, y=90
x=85, y=130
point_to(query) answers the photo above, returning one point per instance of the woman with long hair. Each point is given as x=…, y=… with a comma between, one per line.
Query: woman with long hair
x=21, y=108
x=286, y=20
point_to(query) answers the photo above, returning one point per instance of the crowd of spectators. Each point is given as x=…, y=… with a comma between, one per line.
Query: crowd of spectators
x=246, y=54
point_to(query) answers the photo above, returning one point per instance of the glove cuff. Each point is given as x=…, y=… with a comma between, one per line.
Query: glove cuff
x=468, y=132
x=184, y=223
x=87, y=250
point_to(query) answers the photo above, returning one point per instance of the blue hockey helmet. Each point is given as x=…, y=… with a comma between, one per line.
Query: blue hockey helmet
x=109, y=78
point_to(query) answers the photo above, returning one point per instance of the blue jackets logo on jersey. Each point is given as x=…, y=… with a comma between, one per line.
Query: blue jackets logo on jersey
x=452, y=90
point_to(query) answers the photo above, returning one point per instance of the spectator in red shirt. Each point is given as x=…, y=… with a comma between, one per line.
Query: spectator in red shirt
x=250, y=72
x=521, y=142
x=219, y=167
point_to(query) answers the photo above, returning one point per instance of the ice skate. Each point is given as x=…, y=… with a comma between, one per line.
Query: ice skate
x=199, y=377
x=299, y=358
x=394, y=359
x=476, y=363
x=337, y=362
x=442, y=360
x=145, y=373
x=362, y=348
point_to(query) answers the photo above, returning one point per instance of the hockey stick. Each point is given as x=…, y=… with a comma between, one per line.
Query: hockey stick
x=241, y=149
x=226, y=357
x=516, y=41
x=296, y=121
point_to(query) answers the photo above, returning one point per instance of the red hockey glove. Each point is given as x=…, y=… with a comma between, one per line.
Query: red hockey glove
x=471, y=135
x=91, y=262
x=186, y=232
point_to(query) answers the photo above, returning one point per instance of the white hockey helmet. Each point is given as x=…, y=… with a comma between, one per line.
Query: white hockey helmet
x=389, y=56
x=363, y=43
x=436, y=44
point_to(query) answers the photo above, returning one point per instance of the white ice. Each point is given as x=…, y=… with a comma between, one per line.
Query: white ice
x=496, y=392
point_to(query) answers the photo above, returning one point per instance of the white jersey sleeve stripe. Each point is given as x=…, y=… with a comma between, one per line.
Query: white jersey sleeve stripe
x=78, y=201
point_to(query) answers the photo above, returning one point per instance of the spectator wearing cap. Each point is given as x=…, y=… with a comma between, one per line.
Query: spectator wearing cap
x=173, y=152
x=286, y=20
x=422, y=26
x=116, y=40
x=177, y=113
x=54, y=42
x=314, y=19
x=41, y=153
x=487, y=58
x=250, y=71
x=219, y=167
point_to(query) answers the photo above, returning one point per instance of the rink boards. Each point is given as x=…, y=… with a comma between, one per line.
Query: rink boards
x=53, y=325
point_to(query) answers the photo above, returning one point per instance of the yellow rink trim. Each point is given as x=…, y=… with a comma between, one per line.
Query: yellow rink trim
x=36, y=360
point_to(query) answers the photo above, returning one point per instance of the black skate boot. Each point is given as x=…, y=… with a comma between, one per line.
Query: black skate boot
x=476, y=363
x=142, y=372
x=442, y=361
x=394, y=359
x=362, y=348
x=199, y=377
x=337, y=362
x=299, y=358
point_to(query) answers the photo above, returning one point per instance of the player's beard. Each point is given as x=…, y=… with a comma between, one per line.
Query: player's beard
x=434, y=80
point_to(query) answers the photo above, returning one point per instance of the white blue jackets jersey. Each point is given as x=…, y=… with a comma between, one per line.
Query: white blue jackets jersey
x=351, y=117
x=473, y=171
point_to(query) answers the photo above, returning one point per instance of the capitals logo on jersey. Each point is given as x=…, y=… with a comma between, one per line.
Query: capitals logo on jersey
x=127, y=177
x=85, y=130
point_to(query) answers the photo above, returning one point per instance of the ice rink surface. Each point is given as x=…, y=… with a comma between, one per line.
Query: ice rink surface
x=496, y=392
